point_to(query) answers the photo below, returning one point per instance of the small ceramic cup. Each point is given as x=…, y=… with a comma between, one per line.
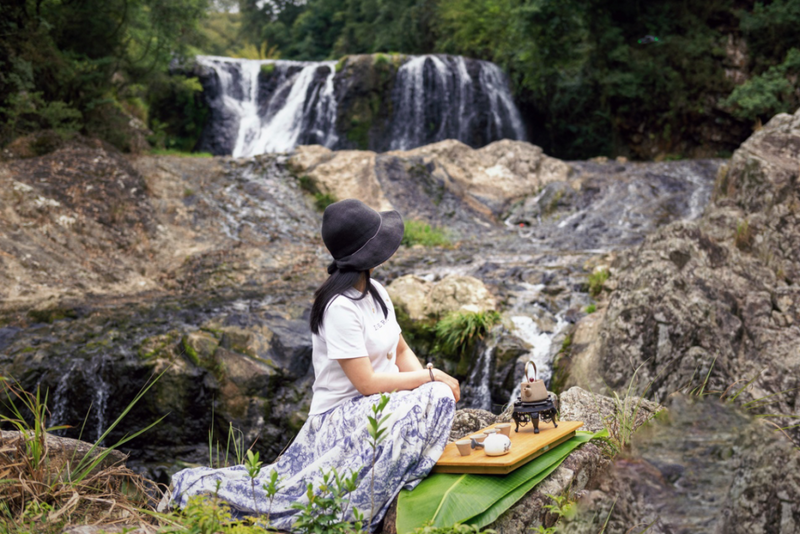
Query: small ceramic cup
x=464, y=447
x=490, y=431
x=504, y=428
x=479, y=437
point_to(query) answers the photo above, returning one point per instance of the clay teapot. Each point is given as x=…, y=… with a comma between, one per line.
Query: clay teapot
x=532, y=389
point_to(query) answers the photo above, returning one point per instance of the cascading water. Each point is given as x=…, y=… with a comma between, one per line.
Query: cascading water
x=271, y=106
x=437, y=98
x=60, y=402
x=478, y=393
x=88, y=377
x=260, y=106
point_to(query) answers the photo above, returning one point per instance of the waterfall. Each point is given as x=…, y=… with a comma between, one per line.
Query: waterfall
x=272, y=105
x=437, y=98
x=83, y=379
x=477, y=389
x=260, y=106
x=59, y=412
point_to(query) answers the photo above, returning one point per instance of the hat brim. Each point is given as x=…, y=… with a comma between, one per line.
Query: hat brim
x=381, y=247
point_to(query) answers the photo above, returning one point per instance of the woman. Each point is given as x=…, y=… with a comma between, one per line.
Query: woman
x=358, y=353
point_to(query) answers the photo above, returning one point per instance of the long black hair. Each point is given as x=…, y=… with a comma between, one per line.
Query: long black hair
x=336, y=284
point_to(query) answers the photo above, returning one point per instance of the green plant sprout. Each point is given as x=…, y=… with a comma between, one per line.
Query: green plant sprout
x=377, y=433
x=621, y=424
x=272, y=488
x=253, y=466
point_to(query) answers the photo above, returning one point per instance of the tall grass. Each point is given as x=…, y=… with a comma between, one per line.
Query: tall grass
x=421, y=233
x=459, y=330
x=43, y=492
x=625, y=418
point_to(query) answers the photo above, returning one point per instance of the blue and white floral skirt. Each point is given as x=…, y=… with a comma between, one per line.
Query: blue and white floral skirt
x=419, y=427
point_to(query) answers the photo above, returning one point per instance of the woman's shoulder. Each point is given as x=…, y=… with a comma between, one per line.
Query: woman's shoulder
x=341, y=301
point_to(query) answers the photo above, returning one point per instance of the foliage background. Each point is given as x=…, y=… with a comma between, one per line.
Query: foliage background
x=587, y=79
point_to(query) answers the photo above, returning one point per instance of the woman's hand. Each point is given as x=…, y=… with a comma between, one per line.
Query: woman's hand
x=452, y=383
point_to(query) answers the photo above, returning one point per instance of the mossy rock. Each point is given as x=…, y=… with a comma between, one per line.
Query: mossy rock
x=50, y=315
x=160, y=347
x=199, y=347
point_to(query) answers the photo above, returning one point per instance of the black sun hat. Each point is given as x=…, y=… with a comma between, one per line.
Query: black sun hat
x=358, y=237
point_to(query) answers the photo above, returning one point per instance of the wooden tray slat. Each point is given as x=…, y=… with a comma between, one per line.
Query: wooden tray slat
x=525, y=446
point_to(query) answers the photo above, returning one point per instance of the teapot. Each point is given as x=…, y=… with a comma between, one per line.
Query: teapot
x=532, y=389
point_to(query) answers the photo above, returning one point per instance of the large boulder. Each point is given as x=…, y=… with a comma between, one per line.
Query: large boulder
x=703, y=466
x=484, y=180
x=421, y=299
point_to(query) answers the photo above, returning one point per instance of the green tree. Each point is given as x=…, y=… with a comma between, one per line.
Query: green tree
x=88, y=58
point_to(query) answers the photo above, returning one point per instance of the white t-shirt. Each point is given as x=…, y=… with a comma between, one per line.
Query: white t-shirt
x=352, y=329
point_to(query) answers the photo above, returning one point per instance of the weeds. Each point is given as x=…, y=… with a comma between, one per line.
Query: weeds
x=235, y=439
x=323, y=200
x=596, y=281
x=624, y=419
x=421, y=233
x=459, y=330
x=44, y=489
x=744, y=236
x=591, y=308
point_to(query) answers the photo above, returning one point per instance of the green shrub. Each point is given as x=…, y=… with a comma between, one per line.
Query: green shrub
x=267, y=68
x=421, y=233
x=323, y=200
x=177, y=112
x=596, y=281
x=591, y=308
x=458, y=331
x=772, y=92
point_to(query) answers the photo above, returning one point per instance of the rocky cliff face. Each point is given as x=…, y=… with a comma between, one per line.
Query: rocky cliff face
x=710, y=307
x=718, y=297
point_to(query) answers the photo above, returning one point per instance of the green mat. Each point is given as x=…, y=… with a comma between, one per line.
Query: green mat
x=443, y=500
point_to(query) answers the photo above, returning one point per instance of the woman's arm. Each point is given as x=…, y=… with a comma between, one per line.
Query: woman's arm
x=406, y=359
x=359, y=371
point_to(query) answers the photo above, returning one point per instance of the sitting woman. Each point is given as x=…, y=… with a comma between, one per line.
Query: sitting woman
x=358, y=353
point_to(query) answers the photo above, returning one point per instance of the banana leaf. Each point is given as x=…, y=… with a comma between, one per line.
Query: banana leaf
x=445, y=499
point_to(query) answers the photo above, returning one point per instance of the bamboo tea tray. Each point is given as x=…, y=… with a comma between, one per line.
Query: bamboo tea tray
x=525, y=446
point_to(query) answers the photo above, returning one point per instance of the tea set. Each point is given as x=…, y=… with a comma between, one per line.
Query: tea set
x=534, y=402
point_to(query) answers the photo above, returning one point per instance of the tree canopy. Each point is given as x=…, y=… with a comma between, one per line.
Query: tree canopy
x=68, y=64
x=583, y=71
